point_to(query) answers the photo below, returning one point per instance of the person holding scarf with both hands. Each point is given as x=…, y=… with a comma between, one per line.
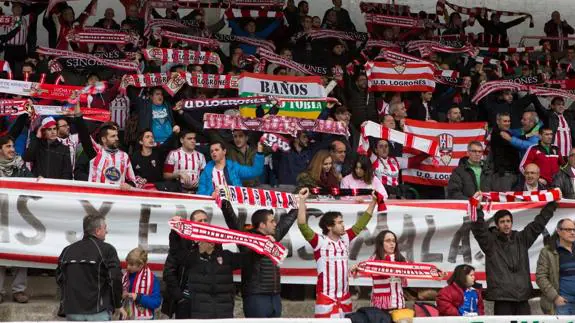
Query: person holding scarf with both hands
x=141, y=292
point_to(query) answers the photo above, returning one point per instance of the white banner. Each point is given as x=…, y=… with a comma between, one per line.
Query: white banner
x=39, y=219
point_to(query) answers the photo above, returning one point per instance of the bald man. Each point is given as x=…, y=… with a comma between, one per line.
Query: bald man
x=530, y=179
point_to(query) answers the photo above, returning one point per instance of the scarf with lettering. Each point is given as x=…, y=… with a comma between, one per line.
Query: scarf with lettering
x=210, y=43
x=400, y=58
x=282, y=61
x=90, y=35
x=375, y=130
x=261, y=244
x=7, y=20
x=190, y=104
x=329, y=33
x=378, y=187
x=397, y=21
x=256, y=197
x=275, y=142
x=426, y=47
x=234, y=13
x=494, y=86
x=372, y=43
x=194, y=4
x=274, y=124
x=120, y=64
x=400, y=269
x=259, y=43
x=143, y=285
x=12, y=107
x=158, y=23
x=487, y=198
x=183, y=56
x=477, y=11
x=173, y=82
x=38, y=90
x=510, y=50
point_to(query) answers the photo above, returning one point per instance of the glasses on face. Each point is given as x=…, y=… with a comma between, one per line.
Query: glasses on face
x=570, y=230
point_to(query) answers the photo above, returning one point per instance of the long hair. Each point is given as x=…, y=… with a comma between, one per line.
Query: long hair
x=315, y=166
x=459, y=275
x=366, y=166
x=379, y=250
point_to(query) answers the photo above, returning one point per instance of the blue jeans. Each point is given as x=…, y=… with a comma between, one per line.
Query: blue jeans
x=263, y=306
x=102, y=316
x=567, y=309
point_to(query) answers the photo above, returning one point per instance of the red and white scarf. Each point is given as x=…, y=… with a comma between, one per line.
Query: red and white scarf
x=372, y=43
x=210, y=43
x=274, y=124
x=487, y=198
x=154, y=24
x=98, y=88
x=256, y=197
x=275, y=142
x=378, y=187
x=476, y=11
x=89, y=35
x=486, y=60
x=372, y=129
x=400, y=269
x=494, y=86
x=7, y=20
x=12, y=107
x=398, y=21
x=427, y=46
x=259, y=43
x=173, y=82
x=261, y=244
x=510, y=50
x=399, y=58
x=38, y=90
x=120, y=64
x=143, y=285
x=282, y=61
x=256, y=3
x=183, y=56
x=191, y=104
x=329, y=33
x=233, y=13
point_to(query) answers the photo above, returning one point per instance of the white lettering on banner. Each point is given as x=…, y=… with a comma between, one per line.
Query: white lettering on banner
x=37, y=220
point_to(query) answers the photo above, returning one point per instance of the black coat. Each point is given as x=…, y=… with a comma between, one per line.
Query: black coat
x=90, y=277
x=503, y=155
x=563, y=180
x=49, y=160
x=417, y=110
x=551, y=119
x=507, y=257
x=462, y=183
x=496, y=34
x=210, y=286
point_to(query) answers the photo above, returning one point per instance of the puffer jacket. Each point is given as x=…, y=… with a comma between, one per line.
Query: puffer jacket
x=563, y=180
x=547, y=277
x=462, y=183
x=235, y=173
x=507, y=257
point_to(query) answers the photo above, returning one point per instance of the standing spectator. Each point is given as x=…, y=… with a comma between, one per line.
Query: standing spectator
x=49, y=157
x=558, y=28
x=319, y=173
x=249, y=30
x=90, y=276
x=16, y=51
x=395, y=149
x=561, y=121
x=290, y=164
x=507, y=258
x=344, y=22
x=108, y=21
x=331, y=253
x=554, y=267
x=544, y=155
x=495, y=31
x=338, y=151
x=222, y=171
x=134, y=19
x=503, y=155
x=148, y=161
x=141, y=292
x=12, y=165
x=296, y=15
x=462, y=296
x=527, y=135
x=155, y=114
x=67, y=139
x=360, y=102
x=530, y=180
x=422, y=109
x=60, y=21
x=186, y=163
x=471, y=175
x=242, y=153
x=565, y=177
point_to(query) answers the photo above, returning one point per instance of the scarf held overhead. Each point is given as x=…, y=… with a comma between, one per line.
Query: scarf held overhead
x=120, y=64
x=208, y=233
x=183, y=56
x=400, y=269
x=256, y=197
x=372, y=129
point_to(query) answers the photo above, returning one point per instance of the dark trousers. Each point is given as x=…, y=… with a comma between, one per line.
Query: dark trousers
x=512, y=308
x=263, y=306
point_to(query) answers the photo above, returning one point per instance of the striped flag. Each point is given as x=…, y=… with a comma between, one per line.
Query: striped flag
x=452, y=138
x=406, y=77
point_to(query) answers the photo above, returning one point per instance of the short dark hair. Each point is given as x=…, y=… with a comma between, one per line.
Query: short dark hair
x=543, y=129
x=185, y=132
x=92, y=222
x=557, y=98
x=197, y=212
x=217, y=142
x=261, y=216
x=104, y=131
x=501, y=214
x=4, y=140
x=29, y=65
x=156, y=88
x=143, y=132
x=474, y=143
x=328, y=220
x=459, y=275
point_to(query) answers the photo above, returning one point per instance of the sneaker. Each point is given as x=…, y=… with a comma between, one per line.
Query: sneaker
x=20, y=297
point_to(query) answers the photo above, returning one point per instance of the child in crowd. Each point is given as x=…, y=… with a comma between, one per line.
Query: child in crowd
x=462, y=297
x=141, y=287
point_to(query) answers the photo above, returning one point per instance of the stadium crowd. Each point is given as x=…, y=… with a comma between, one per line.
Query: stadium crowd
x=140, y=132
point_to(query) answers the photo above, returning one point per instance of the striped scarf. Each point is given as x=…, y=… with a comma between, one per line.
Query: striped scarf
x=256, y=197
x=477, y=11
x=90, y=35
x=120, y=64
x=144, y=285
x=210, y=43
x=183, y=56
x=494, y=86
x=233, y=13
x=378, y=187
x=372, y=129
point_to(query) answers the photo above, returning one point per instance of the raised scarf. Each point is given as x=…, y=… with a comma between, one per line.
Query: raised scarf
x=97, y=88
x=90, y=35
x=400, y=269
x=173, y=82
x=210, y=43
x=154, y=24
x=476, y=11
x=190, y=104
x=38, y=90
x=387, y=291
x=7, y=20
x=329, y=33
x=183, y=56
x=233, y=13
x=398, y=21
x=143, y=285
x=274, y=124
x=275, y=142
x=10, y=166
x=378, y=187
x=259, y=43
x=494, y=86
x=11, y=107
x=400, y=58
x=120, y=64
x=282, y=61
x=261, y=244
x=256, y=197
x=510, y=50
x=553, y=194
x=372, y=129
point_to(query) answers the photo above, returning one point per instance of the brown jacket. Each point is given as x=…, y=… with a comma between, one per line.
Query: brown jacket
x=547, y=277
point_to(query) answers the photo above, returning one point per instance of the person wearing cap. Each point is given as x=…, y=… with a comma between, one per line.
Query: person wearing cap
x=507, y=257
x=49, y=157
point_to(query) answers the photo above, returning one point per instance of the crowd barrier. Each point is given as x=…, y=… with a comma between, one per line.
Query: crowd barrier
x=39, y=219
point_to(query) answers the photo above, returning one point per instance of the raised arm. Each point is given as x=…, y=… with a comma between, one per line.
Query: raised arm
x=304, y=228
x=530, y=233
x=481, y=231
x=363, y=220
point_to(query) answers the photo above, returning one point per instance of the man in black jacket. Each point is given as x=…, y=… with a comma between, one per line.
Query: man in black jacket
x=90, y=276
x=561, y=121
x=507, y=258
x=49, y=157
x=565, y=177
x=422, y=109
x=471, y=175
x=504, y=157
x=495, y=31
x=260, y=276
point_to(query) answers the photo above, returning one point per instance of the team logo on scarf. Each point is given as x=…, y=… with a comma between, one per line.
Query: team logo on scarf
x=399, y=69
x=445, y=148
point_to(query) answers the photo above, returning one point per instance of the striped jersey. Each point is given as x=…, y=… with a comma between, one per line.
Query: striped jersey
x=111, y=167
x=183, y=162
x=563, y=136
x=119, y=110
x=218, y=178
x=22, y=36
x=386, y=169
x=387, y=292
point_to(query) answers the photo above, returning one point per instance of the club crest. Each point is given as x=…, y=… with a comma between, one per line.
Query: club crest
x=445, y=148
x=399, y=68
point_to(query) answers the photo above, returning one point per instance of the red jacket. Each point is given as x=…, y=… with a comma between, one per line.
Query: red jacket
x=450, y=298
x=549, y=163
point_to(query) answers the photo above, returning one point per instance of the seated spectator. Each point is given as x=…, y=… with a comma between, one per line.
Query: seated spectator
x=544, y=155
x=399, y=113
x=242, y=153
x=320, y=173
x=531, y=180
x=527, y=135
x=565, y=177
x=362, y=175
x=141, y=292
x=462, y=296
x=186, y=163
x=49, y=157
x=338, y=153
x=554, y=267
x=221, y=171
x=249, y=30
x=471, y=175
